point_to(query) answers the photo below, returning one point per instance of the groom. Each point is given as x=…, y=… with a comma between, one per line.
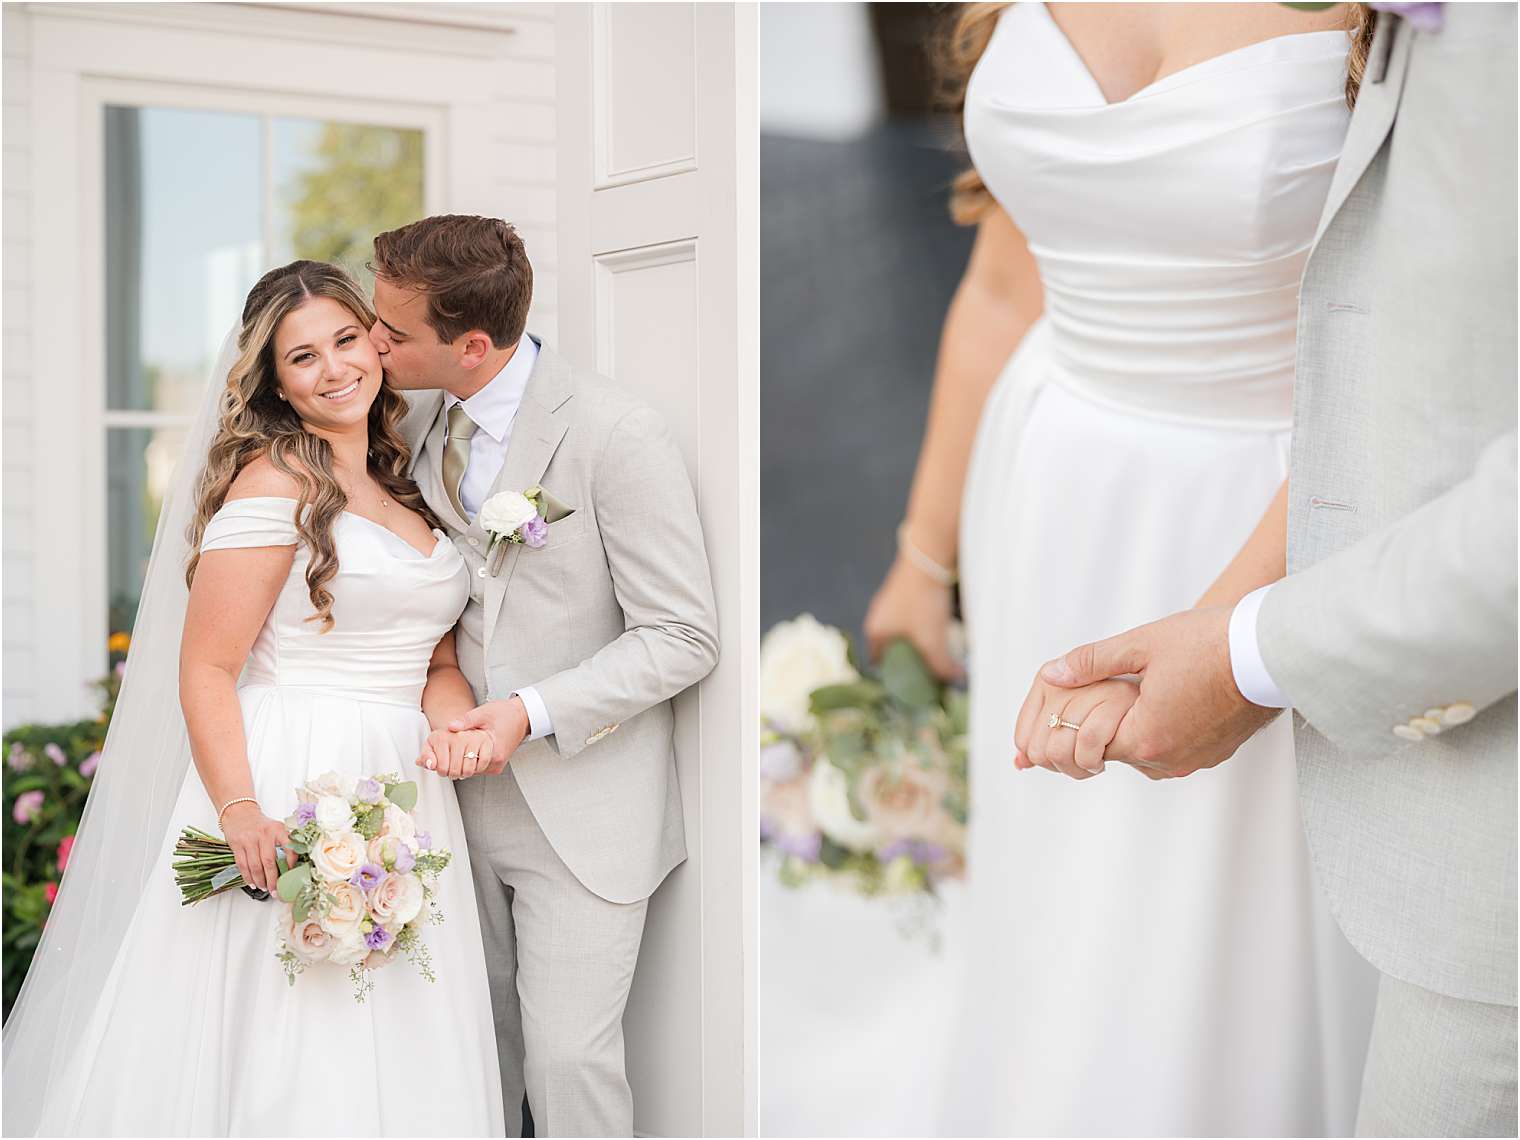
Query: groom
x=1393, y=637
x=575, y=649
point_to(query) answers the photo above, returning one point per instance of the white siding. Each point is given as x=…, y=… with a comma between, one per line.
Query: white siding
x=19, y=622
x=519, y=150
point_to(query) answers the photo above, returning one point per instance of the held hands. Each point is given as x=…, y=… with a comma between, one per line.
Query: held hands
x=1098, y=709
x=1188, y=713
x=479, y=743
x=252, y=835
x=456, y=755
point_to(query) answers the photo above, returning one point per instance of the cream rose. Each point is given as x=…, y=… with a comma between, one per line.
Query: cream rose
x=829, y=797
x=905, y=804
x=337, y=857
x=396, y=900
x=334, y=814
x=309, y=941
x=503, y=513
x=797, y=657
x=399, y=824
x=383, y=850
x=786, y=807
x=349, y=950
x=346, y=910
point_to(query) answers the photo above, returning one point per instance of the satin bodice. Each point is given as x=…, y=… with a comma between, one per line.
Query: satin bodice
x=391, y=605
x=1170, y=228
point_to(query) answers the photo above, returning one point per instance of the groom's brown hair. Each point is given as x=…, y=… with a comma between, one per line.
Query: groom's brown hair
x=473, y=270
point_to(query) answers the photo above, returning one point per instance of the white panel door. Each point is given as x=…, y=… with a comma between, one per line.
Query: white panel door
x=659, y=248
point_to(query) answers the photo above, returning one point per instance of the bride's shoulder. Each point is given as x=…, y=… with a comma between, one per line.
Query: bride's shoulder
x=261, y=479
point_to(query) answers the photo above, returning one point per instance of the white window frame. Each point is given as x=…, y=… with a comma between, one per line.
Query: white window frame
x=96, y=418
x=319, y=64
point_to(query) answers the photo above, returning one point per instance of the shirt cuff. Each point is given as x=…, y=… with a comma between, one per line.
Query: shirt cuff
x=1251, y=676
x=539, y=723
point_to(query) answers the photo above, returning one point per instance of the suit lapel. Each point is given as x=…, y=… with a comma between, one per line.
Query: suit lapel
x=1376, y=104
x=541, y=423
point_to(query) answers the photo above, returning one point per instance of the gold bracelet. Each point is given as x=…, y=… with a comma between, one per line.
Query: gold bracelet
x=941, y=574
x=229, y=803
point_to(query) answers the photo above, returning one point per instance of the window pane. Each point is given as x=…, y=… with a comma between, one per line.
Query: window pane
x=339, y=184
x=139, y=465
x=183, y=247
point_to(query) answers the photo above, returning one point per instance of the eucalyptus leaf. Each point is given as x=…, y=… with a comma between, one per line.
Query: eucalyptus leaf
x=300, y=910
x=862, y=694
x=404, y=795
x=293, y=882
x=906, y=678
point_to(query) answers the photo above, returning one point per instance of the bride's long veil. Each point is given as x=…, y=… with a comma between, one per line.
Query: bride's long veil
x=126, y=816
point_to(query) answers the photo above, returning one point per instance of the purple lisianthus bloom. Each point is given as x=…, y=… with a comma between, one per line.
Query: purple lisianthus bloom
x=424, y=841
x=305, y=813
x=26, y=807
x=780, y=762
x=367, y=878
x=19, y=759
x=918, y=850
x=55, y=754
x=368, y=791
x=535, y=532
x=404, y=860
x=88, y=765
x=378, y=938
x=808, y=848
x=1425, y=17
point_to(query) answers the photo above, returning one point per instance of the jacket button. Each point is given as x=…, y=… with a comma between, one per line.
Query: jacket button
x=1427, y=725
x=1459, y=713
x=1407, y=732
x=481, y=573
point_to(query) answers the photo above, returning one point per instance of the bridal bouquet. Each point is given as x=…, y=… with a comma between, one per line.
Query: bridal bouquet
x=362, y=889
x=863, y=778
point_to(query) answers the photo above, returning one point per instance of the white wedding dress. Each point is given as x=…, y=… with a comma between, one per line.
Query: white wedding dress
x=197, y=1031
x=1144, y=958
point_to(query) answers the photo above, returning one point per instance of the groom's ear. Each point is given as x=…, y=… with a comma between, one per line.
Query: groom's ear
x=473, y=347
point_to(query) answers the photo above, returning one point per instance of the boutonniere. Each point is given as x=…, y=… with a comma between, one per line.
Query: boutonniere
x=513, y=518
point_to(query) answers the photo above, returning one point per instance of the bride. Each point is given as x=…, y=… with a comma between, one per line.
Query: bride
x=1107, y=444
x=315, y=635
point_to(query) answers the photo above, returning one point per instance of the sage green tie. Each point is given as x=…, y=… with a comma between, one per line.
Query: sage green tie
x=456, y=455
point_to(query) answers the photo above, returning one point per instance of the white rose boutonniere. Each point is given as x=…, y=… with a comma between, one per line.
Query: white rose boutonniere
x=513, y=518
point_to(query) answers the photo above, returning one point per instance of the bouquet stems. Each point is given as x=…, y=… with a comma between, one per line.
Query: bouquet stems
x=204, y=866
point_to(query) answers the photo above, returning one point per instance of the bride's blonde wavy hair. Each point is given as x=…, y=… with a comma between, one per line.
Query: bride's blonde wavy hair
x=254, y=421
x=968, y=34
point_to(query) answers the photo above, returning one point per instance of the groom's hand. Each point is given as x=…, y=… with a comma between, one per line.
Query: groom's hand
x=507, y=722
x=1189, y=714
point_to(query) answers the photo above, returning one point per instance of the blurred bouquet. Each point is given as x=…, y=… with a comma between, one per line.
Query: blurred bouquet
x=363, y=887
x=863, y=778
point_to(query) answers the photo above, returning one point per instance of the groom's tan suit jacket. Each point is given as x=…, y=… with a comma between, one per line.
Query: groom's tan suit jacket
x=608, y=621
x=1398, y=617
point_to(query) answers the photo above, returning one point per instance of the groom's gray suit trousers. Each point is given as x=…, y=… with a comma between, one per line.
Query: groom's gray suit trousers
x=560, y=967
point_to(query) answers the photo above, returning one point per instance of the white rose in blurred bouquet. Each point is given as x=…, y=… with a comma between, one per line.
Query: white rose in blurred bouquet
x=829, y=797
x=797, y=657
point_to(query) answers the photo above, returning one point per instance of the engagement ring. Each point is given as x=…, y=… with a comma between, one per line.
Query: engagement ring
x=1055, y=721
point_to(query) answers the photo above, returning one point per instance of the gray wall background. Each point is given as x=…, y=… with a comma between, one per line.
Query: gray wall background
x=859, y=261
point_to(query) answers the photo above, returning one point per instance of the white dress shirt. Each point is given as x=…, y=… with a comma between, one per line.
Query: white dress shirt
x=493, y=409
x=1251, y=676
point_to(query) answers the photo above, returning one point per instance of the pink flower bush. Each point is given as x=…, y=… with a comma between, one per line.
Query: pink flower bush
x=26, y=807
x=50, y=892
x=65, y=847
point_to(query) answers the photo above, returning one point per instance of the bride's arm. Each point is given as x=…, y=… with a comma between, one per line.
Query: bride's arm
x=999, y=297
x=233, y=592
x=1261, y=561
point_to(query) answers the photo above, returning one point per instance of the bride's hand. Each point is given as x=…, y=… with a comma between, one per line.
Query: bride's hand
x=910, y=604
x=252, y=835
x=457, y=755
x=1078, y=753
